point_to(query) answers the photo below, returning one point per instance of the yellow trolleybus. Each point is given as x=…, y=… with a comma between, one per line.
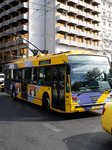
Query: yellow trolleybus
x=73, y=81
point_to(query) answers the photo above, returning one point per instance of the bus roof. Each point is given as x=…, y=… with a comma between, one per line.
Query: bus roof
x=44, y=59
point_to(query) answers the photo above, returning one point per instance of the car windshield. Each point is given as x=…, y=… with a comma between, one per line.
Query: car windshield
x=89, y=73
x=1, y=76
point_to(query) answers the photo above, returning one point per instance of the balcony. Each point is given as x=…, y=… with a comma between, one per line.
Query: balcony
x=96, y=2
x=81, y=3
x=22, y=5
x=89, y=35
x=21, y=28
x=89, y=16
x=81, y=13
x=2, y=45
x=81, y=34
x=97, y=10
x=88, y=6
x=97, y=48
x=18, y=18
x=96, y=37
x=81, y=23
x=73, y=43
x=89, y=26
x=73, y=10
x=97, y=19
x=61, y=7
x=88, y=46
x=5, y=3
x=62, y=41
x=83, y=45
x=62, y=18
x=73, y=31
x=73, y=21
x=61, y=29
x=72, y=1
x=97, y=28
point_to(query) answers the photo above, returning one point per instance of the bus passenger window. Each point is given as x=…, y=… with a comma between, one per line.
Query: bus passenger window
x=47, y=76
x=32, y=76
x=12, y=76
x=35, y=75
x=17, y=75
x=41, y=76
x=44, y=76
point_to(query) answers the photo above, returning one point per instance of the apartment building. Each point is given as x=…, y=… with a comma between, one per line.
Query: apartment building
x=54, y=25
x=106, y=32
x=13, y=19
x=66, y=25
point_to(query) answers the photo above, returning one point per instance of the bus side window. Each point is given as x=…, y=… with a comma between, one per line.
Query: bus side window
x=32, y=76
x=44, y=76
x=35, y=75
x=12, y=74
x=23, y=74
x=19, y=74
x=47, y=76
x=41, y=76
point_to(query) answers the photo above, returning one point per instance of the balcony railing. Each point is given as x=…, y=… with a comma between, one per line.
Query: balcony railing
x=62, y=41
x=73, y=43
x=89, y=6
x=62, y=7
x=73, y=31
x=62, y=29
x=73, y=1
x=81, y=3
x=73, y=10
x=73, y=21
x=82, y=34
x=62, y=18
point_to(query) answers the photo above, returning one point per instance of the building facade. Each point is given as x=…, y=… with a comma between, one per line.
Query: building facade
x=13, y=19
x=66, y=25
x=106, y=23
x=53, y=25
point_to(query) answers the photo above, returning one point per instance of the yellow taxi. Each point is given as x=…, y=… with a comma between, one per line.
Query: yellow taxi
x=106, y=118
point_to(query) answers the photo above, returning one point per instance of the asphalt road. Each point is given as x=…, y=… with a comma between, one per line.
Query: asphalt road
x=24, y=126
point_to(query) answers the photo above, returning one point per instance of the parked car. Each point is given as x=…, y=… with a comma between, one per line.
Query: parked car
x=1, y=82
x=106, y=118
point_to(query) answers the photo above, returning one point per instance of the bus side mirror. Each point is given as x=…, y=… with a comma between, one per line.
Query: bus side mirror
x=67, y=69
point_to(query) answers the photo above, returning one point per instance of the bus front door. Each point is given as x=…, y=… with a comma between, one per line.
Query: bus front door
x=58, y=87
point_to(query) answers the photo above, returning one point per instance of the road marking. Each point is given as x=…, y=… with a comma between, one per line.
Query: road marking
x=52, y=127
x=33, y=119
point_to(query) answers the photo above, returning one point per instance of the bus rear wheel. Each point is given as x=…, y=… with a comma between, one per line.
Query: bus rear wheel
x=46, y=103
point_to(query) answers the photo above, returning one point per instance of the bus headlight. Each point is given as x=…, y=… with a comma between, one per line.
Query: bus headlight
x=75, y=100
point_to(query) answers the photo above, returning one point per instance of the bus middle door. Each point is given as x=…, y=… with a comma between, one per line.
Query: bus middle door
x=58, y=87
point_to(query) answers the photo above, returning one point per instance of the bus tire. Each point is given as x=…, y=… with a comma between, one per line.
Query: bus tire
x=46, y=102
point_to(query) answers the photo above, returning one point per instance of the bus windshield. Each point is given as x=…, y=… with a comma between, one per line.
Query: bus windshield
x=89, y=73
